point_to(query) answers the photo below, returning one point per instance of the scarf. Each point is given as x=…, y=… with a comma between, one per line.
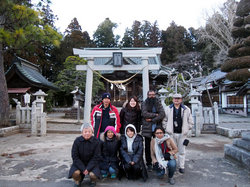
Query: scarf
x=158, y=152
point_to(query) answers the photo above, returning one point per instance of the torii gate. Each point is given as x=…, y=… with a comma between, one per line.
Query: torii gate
x=90, y=54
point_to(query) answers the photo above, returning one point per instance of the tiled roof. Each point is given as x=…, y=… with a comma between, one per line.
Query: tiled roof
x=214, y=76
x=131, y=61
x=31, y=72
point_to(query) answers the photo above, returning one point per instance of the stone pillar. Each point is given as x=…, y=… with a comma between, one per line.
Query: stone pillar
x=33, y=120
x=43, y=130
x=211, y=117
x=216, y=113
x=28, y=114
x=23, y=115
x=88, y=91
x=145, y=78
x=200, y=110
x=18, y=113
x=198, y=123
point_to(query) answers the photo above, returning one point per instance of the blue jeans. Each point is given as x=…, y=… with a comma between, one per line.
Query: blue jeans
x=171, y=169
x=111, y=171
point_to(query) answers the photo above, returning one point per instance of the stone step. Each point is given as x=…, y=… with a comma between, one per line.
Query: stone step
x=240, y=155
x=231, y=133
x=242, y=143
x=208, y=132
x=209, y=126
x=246, y=135
x=9, y=131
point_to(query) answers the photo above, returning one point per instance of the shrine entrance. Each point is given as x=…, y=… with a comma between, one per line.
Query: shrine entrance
x=138, y=60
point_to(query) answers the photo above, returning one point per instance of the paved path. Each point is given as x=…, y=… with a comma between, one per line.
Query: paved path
x=44, y=161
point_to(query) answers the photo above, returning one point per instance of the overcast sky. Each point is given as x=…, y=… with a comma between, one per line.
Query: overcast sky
x=90, y=13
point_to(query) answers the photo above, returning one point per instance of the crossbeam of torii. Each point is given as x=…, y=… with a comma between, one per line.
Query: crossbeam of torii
x=90, y=54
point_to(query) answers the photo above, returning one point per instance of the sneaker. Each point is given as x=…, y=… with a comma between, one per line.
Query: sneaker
x=77, y=185
x=104, y=176
x=182, y=170
x=171, y=181
x=150, y=168
x=160, y=176
x=113, y=176
x=92, y=184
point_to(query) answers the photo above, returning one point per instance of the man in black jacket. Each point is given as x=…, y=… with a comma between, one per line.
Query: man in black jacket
x=152, y=116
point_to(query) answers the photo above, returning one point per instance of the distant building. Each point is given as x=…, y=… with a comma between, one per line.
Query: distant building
x=24, y=76
x=230, y=97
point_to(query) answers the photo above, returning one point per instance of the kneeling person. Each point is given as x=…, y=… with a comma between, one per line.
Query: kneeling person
x=110, y=141
x=131, y=153
x=86, y=155
x=163, y=150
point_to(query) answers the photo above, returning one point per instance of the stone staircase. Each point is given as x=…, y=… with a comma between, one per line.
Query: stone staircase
x=208, y=129
x=239, y=151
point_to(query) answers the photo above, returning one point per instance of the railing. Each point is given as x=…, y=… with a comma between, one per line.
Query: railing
x=31, y=118
x=205, y=115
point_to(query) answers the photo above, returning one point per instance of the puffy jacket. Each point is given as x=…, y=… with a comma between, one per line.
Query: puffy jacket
x=137, y=147
x=130, y=116
x=187, y=119
x=96, y=119
x=109, y=152
x=156, y=119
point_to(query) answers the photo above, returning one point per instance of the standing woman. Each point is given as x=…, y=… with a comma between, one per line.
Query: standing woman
x=110, y=141
x=131, y=152
x=86, y=155
x=163, y=150
x=131, y=114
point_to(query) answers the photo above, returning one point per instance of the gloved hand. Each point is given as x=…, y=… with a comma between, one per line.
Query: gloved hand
x=156, y=166
x=167, y=156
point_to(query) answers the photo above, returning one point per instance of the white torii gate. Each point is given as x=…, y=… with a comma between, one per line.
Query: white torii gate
x=90, y=54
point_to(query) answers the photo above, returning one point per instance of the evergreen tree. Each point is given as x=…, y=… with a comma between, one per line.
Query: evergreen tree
x=175, y=40
x=21, y=30
x=104, y=36
x=74, y=38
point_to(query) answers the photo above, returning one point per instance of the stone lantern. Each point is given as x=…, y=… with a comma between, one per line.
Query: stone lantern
x=194, y=95
x=163, y=95
x=78, y=96
x=196, y=111
x=40, y=95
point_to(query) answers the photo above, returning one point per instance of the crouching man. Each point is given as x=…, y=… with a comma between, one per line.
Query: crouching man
x=86, y=154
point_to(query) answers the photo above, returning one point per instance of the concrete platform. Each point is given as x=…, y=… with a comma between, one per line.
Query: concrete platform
x=44, y=161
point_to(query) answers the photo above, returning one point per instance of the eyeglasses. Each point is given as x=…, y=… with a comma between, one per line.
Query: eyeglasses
x=177, y=98
x=159, y=133
x=151, y=94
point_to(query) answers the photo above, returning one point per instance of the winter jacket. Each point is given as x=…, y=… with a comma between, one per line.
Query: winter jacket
x=156, y=119
x=96, y=119
x=130, y=116
x=136, y=156
x=170, y=145
x=109, y=152
x=187, y=119
x=86, y=154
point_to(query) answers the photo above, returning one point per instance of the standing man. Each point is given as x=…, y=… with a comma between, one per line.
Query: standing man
x=104, y=115
x=152, y=116
x=177, y=122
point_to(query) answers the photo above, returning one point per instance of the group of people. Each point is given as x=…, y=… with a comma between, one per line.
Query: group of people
x=113, y=144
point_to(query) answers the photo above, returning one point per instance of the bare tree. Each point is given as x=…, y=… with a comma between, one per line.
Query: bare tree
x=218, y=29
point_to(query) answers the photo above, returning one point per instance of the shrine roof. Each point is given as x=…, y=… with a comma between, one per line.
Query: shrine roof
x=30, y=73
x=214, y=76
